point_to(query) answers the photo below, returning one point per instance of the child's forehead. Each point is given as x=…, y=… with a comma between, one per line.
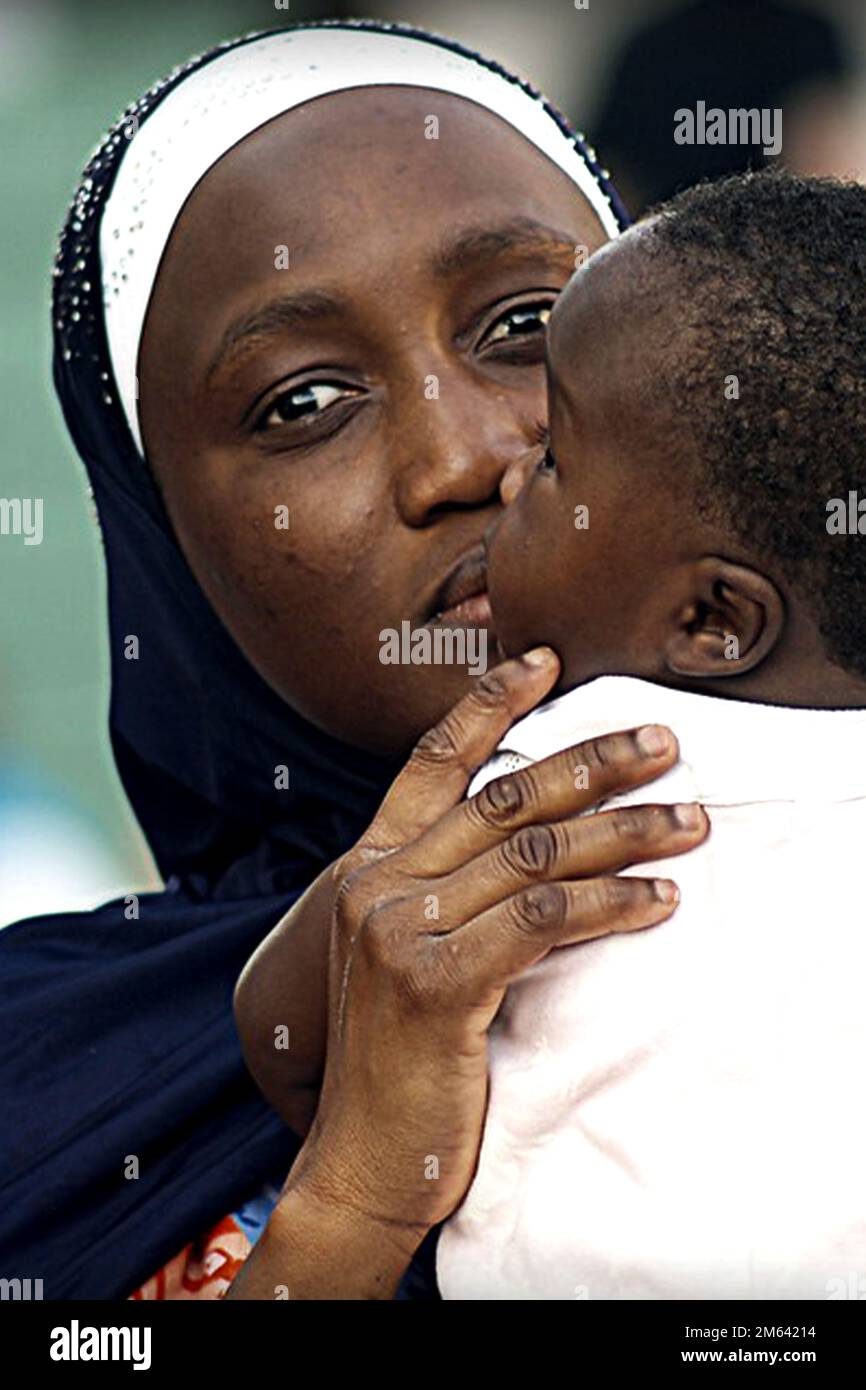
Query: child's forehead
x=620, y=270
x=609, y=309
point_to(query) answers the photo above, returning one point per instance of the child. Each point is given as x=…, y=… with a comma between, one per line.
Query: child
x=680, y=1113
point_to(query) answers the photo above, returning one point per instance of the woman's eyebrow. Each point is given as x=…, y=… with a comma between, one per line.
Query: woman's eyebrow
x=463, y=249
x=273, y=317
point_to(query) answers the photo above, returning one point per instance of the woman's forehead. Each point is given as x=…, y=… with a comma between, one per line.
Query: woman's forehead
x=361, y=173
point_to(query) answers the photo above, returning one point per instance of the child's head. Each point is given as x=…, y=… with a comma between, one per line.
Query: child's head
x=707, y=378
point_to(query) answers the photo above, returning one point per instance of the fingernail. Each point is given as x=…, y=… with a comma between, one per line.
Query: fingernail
x=653, y=740
x=689, y=817
x=540, y=656
x=666, y=890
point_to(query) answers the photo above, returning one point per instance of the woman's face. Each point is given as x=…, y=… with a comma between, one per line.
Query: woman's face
x=342, y=381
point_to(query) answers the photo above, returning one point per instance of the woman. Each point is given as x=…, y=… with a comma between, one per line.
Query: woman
x=261, y=293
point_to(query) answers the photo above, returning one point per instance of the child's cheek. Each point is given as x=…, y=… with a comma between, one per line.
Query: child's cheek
x=517, y=562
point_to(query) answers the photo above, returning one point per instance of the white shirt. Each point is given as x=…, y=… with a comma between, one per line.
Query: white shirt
x=680, y=1112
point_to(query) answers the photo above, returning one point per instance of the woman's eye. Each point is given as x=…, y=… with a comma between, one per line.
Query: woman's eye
x=520, y=322
x=312, y=398
x=548, y=463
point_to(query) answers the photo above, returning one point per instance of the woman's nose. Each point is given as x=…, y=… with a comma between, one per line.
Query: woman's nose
x=463, y=454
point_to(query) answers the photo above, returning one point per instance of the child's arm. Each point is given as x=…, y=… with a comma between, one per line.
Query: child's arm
x=281, y=1003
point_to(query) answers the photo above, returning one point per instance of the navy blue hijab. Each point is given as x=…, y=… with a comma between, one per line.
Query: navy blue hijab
x=117, y=1038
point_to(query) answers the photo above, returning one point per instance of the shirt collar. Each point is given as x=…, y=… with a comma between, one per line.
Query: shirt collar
x=735, y=750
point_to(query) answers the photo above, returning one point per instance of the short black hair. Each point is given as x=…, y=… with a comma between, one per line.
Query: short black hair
x=768, y=272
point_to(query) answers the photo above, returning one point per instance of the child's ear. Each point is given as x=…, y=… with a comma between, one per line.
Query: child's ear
x=730, y=621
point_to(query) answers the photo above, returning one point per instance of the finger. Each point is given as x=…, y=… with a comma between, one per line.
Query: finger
x=563, y=785
x=583, y=847
x=444, y=761
x=495, y=948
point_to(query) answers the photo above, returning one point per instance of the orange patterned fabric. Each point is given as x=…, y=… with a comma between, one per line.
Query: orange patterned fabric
x=204, y=1269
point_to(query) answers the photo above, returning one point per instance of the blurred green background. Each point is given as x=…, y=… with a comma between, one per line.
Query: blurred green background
x=67, y=837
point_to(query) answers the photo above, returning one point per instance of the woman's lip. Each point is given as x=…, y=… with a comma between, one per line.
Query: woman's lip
x=467, y=579
x=474, y=611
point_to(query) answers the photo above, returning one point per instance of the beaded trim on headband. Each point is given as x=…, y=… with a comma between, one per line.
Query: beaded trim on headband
x=79, y=316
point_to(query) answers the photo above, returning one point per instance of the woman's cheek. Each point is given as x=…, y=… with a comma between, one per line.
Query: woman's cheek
x=290, y=563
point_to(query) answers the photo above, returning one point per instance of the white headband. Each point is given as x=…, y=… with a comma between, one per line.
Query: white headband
x=221, y=103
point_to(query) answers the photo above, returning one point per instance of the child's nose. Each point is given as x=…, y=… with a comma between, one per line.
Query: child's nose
x=516, y=475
